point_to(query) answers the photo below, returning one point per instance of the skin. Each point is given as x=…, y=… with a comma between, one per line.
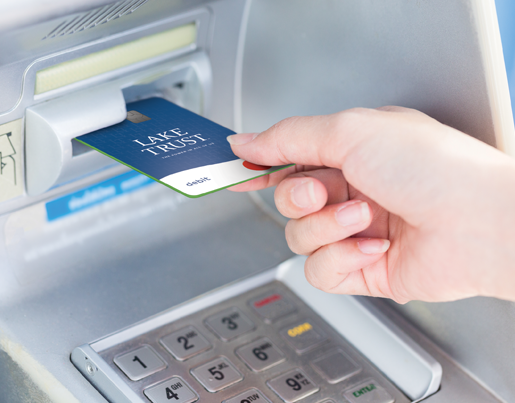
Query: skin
x=391, y=203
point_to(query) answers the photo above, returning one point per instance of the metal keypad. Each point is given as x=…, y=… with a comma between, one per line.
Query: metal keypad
x=217, y=374
x=185, y=343
x=262, y=357
x=140, y=363
x=260, y=354
x=229, y=324
x=293, y=386
x=171, y=390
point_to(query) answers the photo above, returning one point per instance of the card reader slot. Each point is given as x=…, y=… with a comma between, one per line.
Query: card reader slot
x=53, y=157
x=79, y=148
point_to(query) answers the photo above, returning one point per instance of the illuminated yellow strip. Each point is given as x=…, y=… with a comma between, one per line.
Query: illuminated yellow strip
x=113, y=58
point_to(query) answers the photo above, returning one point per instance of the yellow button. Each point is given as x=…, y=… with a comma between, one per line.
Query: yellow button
x=298, y=330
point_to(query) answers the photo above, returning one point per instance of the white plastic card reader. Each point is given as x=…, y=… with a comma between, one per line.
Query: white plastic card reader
x=115, y=289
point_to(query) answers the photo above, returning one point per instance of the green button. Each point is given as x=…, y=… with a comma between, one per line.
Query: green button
x=368, y=392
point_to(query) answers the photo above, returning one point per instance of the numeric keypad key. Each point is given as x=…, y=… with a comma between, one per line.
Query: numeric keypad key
x=172, y=390
x=260, y=354
x=217, y=374
x=249, y=396
x=293, y=386
x=185, y=343
x=139, y=363
x=229, y=324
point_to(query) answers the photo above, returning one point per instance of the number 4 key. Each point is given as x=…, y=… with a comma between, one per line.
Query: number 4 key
x=172, y=390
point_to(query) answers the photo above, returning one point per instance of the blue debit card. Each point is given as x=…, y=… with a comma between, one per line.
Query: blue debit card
x=175, y=147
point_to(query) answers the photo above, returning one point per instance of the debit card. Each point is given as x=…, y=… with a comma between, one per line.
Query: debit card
x=175, y=147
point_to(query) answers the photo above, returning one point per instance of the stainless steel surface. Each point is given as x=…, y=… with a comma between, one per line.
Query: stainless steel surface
x=217, y=374
x=229, y=324
x=477, y=333
x=457, y=385
x=139, y=363
x=261, y=354
x=185, y=343
x=293, y=385
x=173, y=388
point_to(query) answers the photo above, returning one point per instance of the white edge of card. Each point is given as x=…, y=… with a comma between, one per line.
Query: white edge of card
x=219, y=176
x=489, y=36
x=405, y=363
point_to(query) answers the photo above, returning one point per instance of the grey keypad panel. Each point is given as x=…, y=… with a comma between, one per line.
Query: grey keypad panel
x=263, y=346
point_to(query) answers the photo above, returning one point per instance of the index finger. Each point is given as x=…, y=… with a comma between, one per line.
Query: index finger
x=386, y=154
x=322, y=140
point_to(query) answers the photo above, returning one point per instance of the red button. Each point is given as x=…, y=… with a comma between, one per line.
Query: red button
x=267, y=300
x=254, y=167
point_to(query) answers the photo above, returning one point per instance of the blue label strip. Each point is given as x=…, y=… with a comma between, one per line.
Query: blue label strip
x=93, y=195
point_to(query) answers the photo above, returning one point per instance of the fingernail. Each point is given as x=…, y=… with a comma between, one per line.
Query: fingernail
x=241, y=138
x=373, y=246
x=303, y=195
x=353, y=213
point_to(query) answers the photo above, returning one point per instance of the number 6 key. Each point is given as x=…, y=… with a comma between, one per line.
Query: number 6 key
x=261, y=354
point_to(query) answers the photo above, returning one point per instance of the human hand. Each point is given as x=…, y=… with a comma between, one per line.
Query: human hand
x=391, y=203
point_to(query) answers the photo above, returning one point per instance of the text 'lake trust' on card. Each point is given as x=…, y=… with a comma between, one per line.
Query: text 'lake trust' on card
x=175, y=147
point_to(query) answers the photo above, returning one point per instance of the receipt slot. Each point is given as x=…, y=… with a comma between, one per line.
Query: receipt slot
x=114, y=288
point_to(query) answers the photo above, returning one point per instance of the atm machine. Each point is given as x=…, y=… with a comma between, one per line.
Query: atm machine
x=116, y=289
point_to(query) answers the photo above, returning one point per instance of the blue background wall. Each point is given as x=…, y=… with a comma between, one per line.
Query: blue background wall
x=506, y=15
